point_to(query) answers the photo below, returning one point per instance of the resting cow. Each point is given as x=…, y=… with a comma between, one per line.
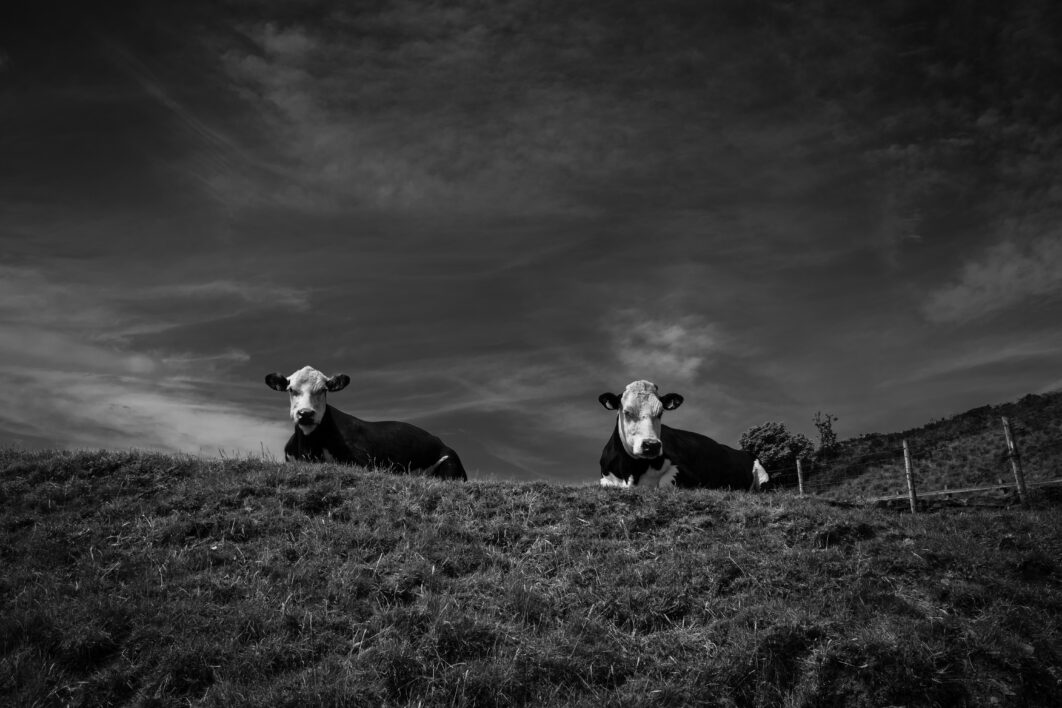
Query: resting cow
x=642, y=452
x=324, y=433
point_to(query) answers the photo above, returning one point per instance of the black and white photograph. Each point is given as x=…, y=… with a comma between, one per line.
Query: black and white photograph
x=531, y=353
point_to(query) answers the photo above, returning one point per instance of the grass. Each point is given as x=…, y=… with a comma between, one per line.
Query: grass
x=140, y=579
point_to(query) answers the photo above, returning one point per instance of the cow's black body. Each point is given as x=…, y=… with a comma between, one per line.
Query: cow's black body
x=701, y=461
x=390, y=445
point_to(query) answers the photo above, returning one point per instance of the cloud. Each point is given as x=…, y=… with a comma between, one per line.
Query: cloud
x=529, y=380
x=972, y=360
x=224, y=164
x=42, y=302
x=403, y=107
x=56, y=350
x=674, y=349
x=79, y=409
x=208, y=367
x=1006, y=276
x=374, y=132
x=261, y=296
x=28, y=296
x=72, y=377
x=292, y=42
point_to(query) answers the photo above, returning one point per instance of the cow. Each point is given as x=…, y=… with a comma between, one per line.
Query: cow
x=644, y=453
x=324, y=433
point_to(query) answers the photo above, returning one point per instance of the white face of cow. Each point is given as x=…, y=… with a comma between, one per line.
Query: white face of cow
x=308, y=389
x=640, y=409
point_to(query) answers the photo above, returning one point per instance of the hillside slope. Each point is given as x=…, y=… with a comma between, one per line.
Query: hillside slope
x=965, y=450
x=138, y=578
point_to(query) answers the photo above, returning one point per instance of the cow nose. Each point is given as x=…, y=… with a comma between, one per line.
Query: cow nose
x=305, y=415
x=651, y=447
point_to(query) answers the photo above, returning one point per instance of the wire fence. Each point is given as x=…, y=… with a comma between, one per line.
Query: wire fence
x=993, y=462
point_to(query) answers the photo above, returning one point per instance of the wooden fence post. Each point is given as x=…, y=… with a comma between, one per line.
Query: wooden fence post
x=1015, y=464
x=800, y=477
x=910, y=477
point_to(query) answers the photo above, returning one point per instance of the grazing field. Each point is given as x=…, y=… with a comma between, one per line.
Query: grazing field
x=965, y=450
x=133, y=578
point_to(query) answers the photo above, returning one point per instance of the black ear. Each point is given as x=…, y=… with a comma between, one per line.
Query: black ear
x=610, y=401
x=337, y=382
x=671, y=401
x=277, y=382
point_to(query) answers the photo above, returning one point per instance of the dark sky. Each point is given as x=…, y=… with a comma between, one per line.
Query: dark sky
x=488, y=213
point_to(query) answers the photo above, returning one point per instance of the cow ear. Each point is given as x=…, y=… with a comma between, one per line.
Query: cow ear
x=277, y=382
x=337, y=382
x=610, y=401
x=671, y=401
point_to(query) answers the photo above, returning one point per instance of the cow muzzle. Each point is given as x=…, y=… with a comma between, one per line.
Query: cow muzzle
x=306, y=417
x=649, y=448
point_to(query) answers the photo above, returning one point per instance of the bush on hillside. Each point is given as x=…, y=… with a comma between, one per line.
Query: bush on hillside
x=827, y=437
x=774, y=444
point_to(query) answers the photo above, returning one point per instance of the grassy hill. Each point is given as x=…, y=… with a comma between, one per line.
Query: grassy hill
x=965, y=450
x=129, y=578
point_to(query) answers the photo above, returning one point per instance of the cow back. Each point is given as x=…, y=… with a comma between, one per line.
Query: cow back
x=703, y=462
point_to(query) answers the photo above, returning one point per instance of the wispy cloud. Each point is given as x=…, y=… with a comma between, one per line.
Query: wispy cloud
x=1045, y=348
x=673, y=349
x=104, y=311
x=22, y=345
x=210, y=367
x=259, y=295
x=93, y=410
x=155, y=88
x=506, y=381
x=413, y=107
x=232, y=173
x=366, y=151
x=73, y=377
x=1007, y=275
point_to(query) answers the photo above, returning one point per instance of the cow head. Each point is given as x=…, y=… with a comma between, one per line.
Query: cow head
x=307, y=389
x=640, y=409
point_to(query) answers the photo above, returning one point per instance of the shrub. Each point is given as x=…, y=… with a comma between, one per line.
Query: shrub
x=775, y=445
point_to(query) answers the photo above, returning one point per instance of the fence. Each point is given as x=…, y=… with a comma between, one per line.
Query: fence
x=894, y=469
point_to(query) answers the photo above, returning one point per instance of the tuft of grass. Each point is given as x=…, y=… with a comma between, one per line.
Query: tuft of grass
x=136, y=578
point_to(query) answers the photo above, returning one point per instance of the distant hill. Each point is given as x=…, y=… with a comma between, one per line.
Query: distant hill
x=967, y=449
x=142, y=579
